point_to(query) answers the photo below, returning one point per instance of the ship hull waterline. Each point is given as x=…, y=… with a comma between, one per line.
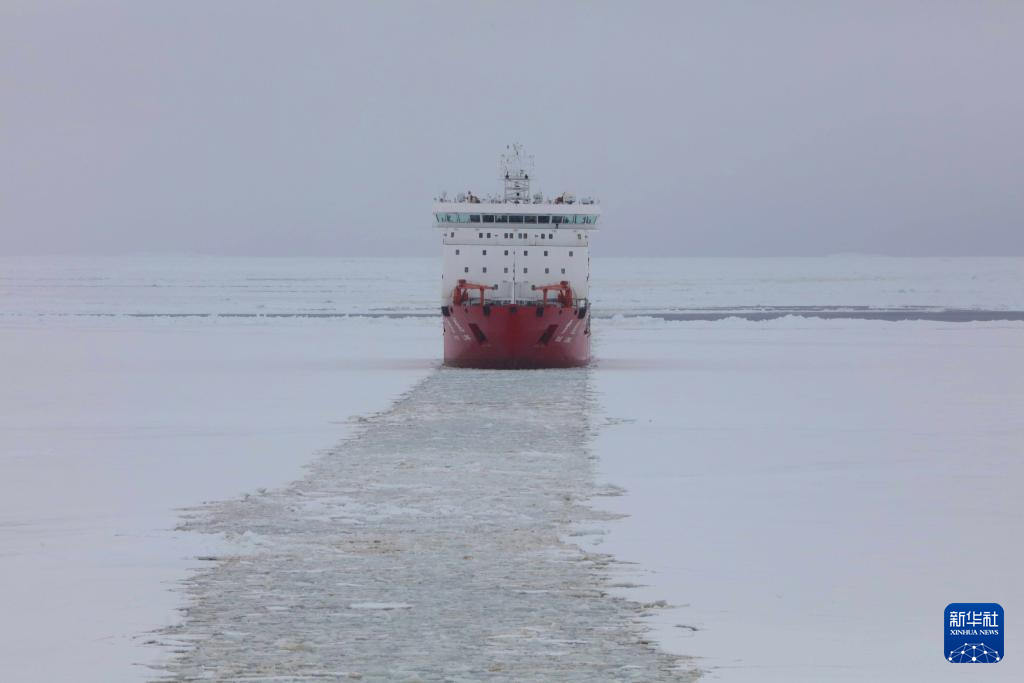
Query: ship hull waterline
x=516, y=336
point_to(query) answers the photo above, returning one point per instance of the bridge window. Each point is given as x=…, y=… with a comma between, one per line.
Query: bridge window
x=488, y=218
x=439, y=217
x=530, y=219
x=474, y=218
x=543, y=219
x=515, y=219
x=501, y=219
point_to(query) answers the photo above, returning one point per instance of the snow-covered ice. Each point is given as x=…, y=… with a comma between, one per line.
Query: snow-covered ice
x=108, y=426
x=785, y=483
x=812, y=494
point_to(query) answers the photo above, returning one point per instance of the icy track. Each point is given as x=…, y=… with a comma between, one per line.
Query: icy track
x=430, y=546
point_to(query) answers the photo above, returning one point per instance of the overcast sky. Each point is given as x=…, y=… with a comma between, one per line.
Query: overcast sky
x=326, y=128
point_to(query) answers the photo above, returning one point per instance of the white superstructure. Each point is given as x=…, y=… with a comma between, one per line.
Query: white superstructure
x=516, y=243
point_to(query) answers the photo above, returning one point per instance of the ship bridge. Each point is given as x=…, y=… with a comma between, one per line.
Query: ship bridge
x=516, y=244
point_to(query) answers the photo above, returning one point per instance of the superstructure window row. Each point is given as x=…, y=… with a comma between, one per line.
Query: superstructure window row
x=514, y=218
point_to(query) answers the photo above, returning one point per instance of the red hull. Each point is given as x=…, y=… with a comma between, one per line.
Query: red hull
x=516, y=336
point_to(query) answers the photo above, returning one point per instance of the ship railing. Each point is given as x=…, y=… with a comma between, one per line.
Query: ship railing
x=579, y=304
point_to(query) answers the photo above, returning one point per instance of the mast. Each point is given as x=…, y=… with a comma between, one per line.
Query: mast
x=516, y=168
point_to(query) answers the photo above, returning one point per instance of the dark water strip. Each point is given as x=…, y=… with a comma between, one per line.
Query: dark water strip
x=950, y=315
x=898, y=315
